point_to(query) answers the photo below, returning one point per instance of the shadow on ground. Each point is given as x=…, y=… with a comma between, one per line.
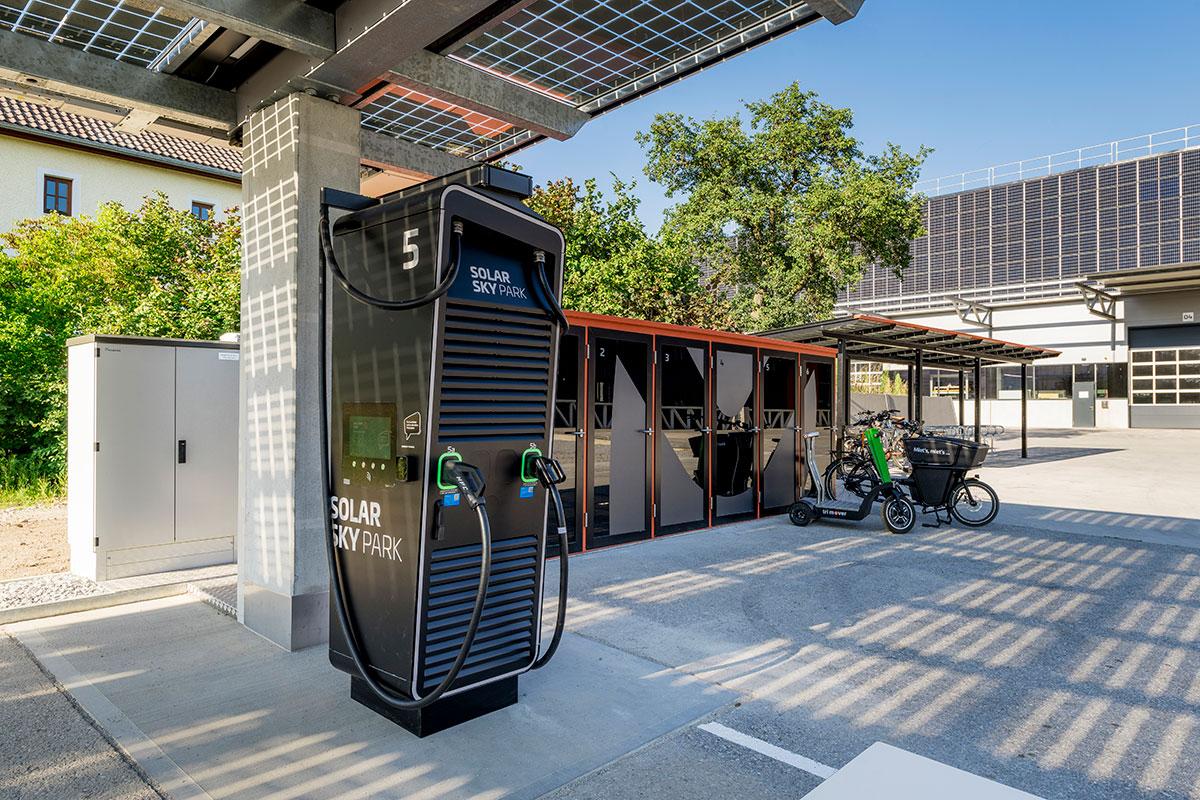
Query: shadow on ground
x=1011, y=457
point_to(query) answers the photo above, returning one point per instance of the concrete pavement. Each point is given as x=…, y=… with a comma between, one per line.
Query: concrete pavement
x=51, y=750
x=1058, y=662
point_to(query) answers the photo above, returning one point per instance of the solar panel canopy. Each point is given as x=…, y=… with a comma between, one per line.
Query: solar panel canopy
x=590, y=55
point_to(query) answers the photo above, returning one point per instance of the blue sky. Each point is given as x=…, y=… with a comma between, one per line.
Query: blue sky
x=981, y=81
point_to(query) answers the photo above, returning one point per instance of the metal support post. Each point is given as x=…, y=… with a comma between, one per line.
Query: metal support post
x=978, y=386
x=910, y=392
x=844, y=391
x=962, y=398
x=1024, y=411
x=918, y=414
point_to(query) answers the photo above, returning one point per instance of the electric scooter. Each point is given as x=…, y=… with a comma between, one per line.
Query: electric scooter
x=898, y=512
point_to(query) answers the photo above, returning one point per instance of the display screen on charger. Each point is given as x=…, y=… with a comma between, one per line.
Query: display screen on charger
x=369, y=436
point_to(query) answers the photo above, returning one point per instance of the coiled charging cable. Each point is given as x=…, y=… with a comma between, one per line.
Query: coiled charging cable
x=328, y=258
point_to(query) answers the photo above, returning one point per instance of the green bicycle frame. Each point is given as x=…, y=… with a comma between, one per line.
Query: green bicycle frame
x=876, y=448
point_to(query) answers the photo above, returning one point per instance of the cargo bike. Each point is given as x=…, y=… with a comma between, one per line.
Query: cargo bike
x=936, y=484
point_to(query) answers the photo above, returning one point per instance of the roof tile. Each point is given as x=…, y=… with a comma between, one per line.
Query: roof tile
x=88, y=129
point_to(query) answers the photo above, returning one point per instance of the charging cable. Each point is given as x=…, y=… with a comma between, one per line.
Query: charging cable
x=550, y=473
x=466, y=477
x=550, y=302
x=443, y=286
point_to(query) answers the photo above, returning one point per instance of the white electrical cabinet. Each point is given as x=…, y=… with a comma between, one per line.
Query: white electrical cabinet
x=152, y=427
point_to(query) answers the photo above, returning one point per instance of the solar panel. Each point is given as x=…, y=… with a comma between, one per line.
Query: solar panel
x=114, y=30
x=1045, y=233
x=581, y=50
x=416, y=117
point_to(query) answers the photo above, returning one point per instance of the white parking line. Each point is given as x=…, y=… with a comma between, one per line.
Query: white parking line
x=769, y=750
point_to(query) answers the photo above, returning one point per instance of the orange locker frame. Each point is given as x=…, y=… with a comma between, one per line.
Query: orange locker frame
x=609, y=408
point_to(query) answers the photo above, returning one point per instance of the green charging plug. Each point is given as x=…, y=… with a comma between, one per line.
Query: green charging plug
x=528, y=473
x=441, y=483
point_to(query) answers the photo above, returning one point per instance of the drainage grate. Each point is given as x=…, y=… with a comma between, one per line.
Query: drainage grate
x=220, y=594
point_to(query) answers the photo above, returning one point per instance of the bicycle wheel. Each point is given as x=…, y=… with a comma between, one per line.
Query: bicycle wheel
x=850, y=476
x=974, y=503
x=836, y=472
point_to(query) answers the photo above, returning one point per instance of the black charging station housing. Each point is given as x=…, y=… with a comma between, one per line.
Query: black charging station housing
x=469, y=376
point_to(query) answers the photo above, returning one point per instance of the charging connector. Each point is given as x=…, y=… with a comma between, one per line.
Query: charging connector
x=549, y=474
x=469, y=481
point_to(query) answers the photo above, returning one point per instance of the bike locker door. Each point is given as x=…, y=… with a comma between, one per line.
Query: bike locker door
x=817, y=408
x=778, y=439
x=735, y=433
x=570, y=440
x=682, y=438
x=619, y=438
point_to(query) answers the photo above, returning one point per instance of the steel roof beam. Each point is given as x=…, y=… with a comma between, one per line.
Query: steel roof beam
x=464, y=85
x=939, y=350
x=291, y=24
x=836, y=11
x=403, y=157
x=28, y=60
x=371, y=36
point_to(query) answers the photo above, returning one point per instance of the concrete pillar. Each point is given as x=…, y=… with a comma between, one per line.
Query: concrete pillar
x=292, y=150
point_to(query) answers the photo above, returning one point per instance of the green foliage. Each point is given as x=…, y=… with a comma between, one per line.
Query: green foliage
x=787, y=211
x=884, y=382
x=156, y=271
x=892, y=383
x=22, y=482
x=614, y=267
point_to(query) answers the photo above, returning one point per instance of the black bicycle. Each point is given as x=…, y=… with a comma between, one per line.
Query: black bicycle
x=851, y=472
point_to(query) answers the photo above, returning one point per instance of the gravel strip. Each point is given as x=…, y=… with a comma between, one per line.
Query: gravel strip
x=46, y=589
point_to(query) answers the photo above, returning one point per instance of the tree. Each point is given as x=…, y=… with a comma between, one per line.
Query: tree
x=787, y=211
x=156, y=271
x=614, y=267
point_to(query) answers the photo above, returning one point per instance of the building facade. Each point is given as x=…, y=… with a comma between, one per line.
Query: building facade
x=1101, y=262
x=57, y=160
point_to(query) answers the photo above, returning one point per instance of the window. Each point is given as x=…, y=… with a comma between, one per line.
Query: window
x=202, y=211
x=1010, y=382
x=1174, y=378
x=1052, y=381
x=990, y=378
x=1112, y=380
x=56, y=195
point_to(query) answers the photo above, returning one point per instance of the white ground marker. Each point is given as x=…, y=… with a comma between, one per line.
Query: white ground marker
x=769, y=750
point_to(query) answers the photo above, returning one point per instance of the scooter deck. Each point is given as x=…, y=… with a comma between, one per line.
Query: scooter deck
x=841, y=505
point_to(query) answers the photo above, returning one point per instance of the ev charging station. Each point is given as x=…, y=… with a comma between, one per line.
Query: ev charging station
x=443, y=328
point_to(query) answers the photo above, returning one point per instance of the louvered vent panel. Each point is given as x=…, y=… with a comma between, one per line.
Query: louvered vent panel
x=505, y=639
x=495, y=374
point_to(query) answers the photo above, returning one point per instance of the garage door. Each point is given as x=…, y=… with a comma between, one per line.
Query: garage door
x=1164, y=374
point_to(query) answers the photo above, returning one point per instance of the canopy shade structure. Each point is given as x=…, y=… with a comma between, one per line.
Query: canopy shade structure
x=474, y=79
x=868, y=337
x=1147, y=280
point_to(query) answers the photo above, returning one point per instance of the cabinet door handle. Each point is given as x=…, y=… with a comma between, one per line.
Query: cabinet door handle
x=182, y=449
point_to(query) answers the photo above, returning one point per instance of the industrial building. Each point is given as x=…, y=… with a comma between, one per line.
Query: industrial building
x=1095, y=253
